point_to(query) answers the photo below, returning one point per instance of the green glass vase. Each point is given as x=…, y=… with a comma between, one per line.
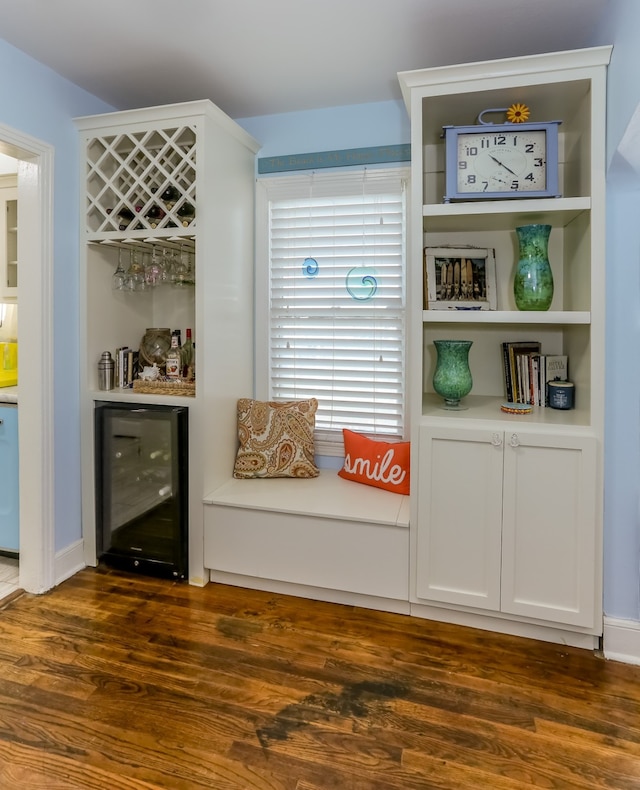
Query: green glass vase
x=452, y=376
x=533, y=283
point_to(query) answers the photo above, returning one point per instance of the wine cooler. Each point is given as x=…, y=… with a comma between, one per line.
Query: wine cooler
x=142, y=488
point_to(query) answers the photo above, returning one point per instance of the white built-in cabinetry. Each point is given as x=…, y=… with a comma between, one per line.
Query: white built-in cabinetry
x=8, y=238
x=205, y=163
x=512, y=530
x=506, y=512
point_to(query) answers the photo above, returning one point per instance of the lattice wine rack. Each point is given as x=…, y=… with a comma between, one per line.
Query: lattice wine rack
x=142, y=181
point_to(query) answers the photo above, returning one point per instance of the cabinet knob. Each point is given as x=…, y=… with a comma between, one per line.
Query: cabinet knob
x=514, y=441
x=496, y=440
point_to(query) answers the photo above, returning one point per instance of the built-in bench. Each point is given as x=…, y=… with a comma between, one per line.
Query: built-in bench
x=324, y=538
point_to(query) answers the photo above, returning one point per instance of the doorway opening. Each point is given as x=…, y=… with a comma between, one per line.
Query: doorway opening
x=34, y=169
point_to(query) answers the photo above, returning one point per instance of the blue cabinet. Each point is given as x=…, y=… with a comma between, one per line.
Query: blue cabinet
x=9, y=488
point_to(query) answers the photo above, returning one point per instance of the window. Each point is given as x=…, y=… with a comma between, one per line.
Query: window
x=331, y=298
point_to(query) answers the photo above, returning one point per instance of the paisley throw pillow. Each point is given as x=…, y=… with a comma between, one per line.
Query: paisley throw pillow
x=276, y=438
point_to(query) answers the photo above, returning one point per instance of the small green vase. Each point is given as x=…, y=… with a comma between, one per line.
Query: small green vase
x=533, y=284
x=452, y=377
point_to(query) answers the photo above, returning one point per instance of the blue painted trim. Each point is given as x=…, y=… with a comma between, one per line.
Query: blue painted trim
x=381, y=154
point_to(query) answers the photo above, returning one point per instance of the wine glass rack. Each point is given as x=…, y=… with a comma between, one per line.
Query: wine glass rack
x=142, y=181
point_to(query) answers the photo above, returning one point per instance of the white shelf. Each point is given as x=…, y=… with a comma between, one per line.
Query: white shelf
x=500, y=214
x=532, y=318
x=124, y=395
x=481, y=407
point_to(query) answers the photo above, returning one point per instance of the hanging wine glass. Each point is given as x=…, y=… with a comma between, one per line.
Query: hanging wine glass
x=181, y=269
x=135, y=273
x=190, y=276
x=167, y=275
x=119, y=277
x=153, y=269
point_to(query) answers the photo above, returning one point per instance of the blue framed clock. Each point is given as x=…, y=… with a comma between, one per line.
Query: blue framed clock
x=501, y=161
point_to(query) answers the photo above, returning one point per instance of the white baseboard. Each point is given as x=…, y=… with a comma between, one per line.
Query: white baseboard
x=504, y=625
x=69, y=561
x=315, y=593
x=622, y=640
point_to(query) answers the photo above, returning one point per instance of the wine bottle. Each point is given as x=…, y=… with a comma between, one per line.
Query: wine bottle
x=170, y=197
x=125, y=215
x=188, y=358
x=172, y=370
x=186, y=214
x=154, y=215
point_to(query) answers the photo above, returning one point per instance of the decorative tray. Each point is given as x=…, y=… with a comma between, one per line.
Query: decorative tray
x=186, y=389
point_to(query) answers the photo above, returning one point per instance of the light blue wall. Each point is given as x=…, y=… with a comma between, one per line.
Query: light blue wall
x=333, y=129
x=622, y=447
x=38, y=102
x=621, y=26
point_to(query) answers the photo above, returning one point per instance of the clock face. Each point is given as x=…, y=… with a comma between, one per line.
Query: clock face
x=502, y=161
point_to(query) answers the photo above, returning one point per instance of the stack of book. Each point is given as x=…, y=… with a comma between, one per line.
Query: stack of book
x=527, y=372
x=126, y=366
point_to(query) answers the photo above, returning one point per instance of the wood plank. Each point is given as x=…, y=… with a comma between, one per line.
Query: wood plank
x=132, y=683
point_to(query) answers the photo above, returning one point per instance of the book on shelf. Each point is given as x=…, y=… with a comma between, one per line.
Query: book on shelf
x=557, y=367
x=126, y=367
x=516, y=371
x=527, y=372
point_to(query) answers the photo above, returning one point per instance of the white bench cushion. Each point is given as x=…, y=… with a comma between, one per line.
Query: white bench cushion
x=326, y=496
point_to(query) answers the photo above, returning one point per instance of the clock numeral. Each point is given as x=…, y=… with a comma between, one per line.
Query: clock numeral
x=485, y=186
x=499, y=139
x=529, y=177
x=472, y=150
x=515, y=185
x=538, y=162
x=529, y=148
x=462, y=165
x=471, y=179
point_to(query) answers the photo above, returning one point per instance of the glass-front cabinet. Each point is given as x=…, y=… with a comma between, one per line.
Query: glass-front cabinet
x=8, y=238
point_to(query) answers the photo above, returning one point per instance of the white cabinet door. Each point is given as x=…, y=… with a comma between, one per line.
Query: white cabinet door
x=507, y=523
x=549, y=528
x=459, y=517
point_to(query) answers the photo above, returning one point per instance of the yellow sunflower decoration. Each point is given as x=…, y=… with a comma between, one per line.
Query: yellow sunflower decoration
x=517, y=113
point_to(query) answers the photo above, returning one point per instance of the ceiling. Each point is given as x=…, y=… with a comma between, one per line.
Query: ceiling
x=261, y=57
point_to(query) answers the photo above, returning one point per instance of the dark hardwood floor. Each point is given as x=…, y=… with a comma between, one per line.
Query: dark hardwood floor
x=122, y=682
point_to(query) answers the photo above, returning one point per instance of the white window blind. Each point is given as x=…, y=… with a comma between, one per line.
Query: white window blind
x=336, y=285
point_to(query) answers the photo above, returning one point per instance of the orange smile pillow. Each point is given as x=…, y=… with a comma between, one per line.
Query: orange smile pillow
x=380, y=464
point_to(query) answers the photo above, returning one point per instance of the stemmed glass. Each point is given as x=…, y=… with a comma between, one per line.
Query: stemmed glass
x=135, y=273
x=167, y=273
x=119, y=277
x=153, y=269
x=181, y=269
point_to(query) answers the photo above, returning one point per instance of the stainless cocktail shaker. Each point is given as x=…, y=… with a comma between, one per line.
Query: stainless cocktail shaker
x=106, y=368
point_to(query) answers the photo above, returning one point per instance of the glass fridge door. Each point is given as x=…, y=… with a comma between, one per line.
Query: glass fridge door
x=142, y=487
